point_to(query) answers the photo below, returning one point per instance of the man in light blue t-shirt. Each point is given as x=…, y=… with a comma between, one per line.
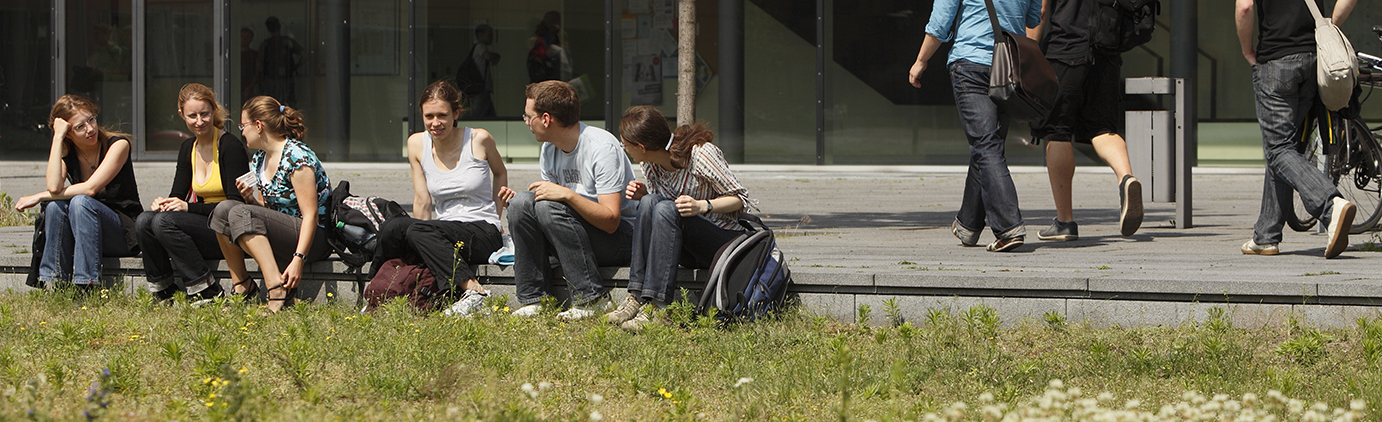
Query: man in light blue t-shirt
x=577, y=212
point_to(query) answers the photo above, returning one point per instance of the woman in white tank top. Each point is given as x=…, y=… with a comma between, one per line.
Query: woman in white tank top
x=458, y=180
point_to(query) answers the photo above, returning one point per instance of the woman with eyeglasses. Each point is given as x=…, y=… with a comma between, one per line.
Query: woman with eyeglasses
x=278, y=223
x=174, y=234
x=92, y=198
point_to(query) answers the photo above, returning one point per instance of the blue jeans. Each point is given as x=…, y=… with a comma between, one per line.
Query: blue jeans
x=662, y=240
x=1286, y=89
x=541, y=229
x=80, y=231
x=990, y=196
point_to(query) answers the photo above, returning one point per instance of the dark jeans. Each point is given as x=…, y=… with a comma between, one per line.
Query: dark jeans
x=662, y=239
x=176, y=242
x=545, y=228
x=990, y=195
x=79, y=232
x=1286, y=89
x=447, y=248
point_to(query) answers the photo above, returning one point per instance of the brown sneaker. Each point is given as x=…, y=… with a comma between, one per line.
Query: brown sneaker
x=628, y=309
x=637, y=322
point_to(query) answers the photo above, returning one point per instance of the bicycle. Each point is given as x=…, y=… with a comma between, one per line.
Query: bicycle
x=1343, y=146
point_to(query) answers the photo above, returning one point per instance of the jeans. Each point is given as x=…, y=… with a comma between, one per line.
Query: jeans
x=1286, y=89
x=176, y=242
x=79, y=232
x=990, y=195
x=543, y=228
x=447, y=248
x=662, y=239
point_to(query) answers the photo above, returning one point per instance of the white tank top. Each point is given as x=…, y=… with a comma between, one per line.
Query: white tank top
x=464, y=193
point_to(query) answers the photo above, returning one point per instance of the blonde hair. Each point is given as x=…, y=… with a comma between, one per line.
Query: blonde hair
x=196, y=91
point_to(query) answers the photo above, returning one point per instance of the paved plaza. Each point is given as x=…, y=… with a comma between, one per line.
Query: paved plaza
x=862, y=235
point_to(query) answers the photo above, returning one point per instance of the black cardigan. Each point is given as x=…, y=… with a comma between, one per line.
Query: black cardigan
x=235, y=161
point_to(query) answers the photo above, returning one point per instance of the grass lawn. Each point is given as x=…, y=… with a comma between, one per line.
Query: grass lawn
x=120, y=357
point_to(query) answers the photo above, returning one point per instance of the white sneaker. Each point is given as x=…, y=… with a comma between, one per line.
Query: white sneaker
x=469, y=303
x=528, y=311
x=1340, y=223
x=1252, y=248
x=593, y=308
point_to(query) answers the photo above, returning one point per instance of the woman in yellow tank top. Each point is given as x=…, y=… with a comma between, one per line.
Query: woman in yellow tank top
x=175, y=234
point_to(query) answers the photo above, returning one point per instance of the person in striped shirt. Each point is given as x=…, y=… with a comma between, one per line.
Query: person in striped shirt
x=687, y=209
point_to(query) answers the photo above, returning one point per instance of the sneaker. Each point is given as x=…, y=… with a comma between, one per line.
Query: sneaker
x=166, y=295
x=1130, y=193
x=967, y=238
x=628, y=308
x=1252, y=248
x=636, y=323
x=207, y=295
x=528, y=311
x=1005, y=245
x=469, y=303
x=1060, y=231
x=1340, y=222
x=587, y=310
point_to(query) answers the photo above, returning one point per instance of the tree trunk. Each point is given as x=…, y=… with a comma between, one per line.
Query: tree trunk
x=686, y=62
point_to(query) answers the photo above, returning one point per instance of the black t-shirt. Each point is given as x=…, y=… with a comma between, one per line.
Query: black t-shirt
x=1284, y=27
x=1068, y=29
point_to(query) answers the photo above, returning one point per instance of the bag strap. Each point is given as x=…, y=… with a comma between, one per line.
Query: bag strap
x=1315, y=10
x=993, y=18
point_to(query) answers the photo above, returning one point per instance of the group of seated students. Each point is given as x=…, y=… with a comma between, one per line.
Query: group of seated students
x=587, y=211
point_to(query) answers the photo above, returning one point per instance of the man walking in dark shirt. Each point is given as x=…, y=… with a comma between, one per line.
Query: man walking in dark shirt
x=1088, y=109
x=1283, y=78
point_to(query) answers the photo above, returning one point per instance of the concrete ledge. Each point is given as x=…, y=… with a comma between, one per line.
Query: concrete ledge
x=841, y=292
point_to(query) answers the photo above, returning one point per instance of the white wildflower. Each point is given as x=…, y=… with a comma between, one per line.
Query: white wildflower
x=596, y=416
x=543, y=386
x=1104, y=396
x=1358, y=405
x=596, y=399
x=742, y=381
x=987, y=397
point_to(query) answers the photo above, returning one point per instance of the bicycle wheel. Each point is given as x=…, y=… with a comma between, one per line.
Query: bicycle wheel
x=1359, y=176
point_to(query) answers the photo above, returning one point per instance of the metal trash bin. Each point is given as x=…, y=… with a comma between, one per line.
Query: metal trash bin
x=1155, y=142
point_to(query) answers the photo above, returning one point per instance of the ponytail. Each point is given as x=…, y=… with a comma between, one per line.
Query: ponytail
x=278, y=118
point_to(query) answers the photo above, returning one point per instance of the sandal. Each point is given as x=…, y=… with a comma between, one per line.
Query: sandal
x=251, y=292
x=285, y=297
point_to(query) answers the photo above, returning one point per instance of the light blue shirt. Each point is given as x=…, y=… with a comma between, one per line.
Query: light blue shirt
x=975, y=39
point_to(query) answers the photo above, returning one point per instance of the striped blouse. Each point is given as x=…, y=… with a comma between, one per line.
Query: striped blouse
x=706, y=177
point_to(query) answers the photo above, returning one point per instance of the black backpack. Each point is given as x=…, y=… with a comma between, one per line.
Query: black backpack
x=352, y=223
x=543, y=64
x=1122, y=25
x=749, y=275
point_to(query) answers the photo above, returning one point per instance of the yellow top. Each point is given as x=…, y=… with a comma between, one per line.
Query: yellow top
x=212, y=191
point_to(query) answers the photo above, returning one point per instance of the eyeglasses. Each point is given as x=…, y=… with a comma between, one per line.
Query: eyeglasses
x=88, y=124
x=527, y=117
x=243, y=124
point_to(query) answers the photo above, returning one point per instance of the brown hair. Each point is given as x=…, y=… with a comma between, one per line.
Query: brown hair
x=445, y=91
x=646, y=126
x=196, y=91
x=68, y=105
x=556, y=98
x=277, y=117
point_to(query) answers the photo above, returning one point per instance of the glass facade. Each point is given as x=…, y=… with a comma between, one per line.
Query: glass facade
x=357, y=67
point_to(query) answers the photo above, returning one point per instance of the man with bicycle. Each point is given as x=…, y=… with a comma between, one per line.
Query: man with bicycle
x=1283, y=74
